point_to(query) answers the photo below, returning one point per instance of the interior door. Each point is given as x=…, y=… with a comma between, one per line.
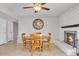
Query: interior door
x=10, y=30
x=3, y=31
x=15, y=30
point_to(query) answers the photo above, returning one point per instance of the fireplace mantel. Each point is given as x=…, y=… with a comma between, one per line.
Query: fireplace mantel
x=69, y=26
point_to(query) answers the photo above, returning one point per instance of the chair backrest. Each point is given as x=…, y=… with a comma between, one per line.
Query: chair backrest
x=36, y=39
x=31, y=35
x=23, y=36
x=49, y=36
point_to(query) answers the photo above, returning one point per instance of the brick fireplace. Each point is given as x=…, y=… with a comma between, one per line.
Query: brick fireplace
x=70, y=37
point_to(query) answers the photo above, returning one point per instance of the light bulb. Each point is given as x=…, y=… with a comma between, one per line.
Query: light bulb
x=37, y=8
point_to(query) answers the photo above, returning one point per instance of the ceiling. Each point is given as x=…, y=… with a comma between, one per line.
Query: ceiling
x=16, y=10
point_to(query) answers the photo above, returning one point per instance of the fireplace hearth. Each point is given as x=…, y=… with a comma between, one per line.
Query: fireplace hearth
x=70, y=37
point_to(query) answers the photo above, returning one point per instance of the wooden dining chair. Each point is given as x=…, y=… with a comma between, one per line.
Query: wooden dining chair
x=46, y=41
x=36, y=43
x=24, y=40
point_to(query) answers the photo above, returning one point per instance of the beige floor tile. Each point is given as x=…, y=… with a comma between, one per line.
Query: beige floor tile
x=13, y=49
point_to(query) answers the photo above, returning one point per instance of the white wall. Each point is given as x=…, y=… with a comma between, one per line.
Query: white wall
x=50, y=25
x=69, y=18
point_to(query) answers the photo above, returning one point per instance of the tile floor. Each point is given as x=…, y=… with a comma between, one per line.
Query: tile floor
x=13, y=49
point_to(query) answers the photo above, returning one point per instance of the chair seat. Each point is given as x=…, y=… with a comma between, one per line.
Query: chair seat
x=28, y=40
x=24, y=41
x=45, y=39
x=37, y=46
x=45, y=42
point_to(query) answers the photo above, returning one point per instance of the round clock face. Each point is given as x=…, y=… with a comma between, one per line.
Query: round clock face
x=38, y=24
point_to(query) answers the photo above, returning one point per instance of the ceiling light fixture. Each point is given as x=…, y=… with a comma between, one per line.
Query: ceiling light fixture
x=37, y=7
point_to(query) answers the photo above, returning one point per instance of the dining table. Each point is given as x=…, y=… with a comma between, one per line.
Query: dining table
x=42, y=38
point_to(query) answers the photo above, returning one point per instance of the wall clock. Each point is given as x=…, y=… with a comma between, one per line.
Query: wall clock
x=38, y=24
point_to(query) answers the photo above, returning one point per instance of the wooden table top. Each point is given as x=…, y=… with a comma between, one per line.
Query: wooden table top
x=43, y=38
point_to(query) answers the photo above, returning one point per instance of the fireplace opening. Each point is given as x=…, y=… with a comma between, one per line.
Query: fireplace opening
x=70, y=37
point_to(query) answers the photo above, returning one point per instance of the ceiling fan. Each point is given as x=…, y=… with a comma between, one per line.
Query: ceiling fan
x=38, y=6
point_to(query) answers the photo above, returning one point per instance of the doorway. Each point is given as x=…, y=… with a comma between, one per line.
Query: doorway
x=15, y=31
